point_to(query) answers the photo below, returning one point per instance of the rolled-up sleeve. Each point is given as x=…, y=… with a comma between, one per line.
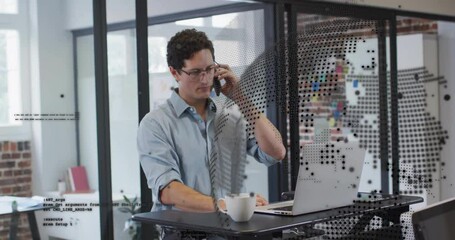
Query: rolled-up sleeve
x=158, y=158
x=255, y=151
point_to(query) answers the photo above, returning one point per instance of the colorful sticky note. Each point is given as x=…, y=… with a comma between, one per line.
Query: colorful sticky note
x=339, y=69
x=316, y=86
x=340, y=106
x=322, y=78
x=355, y=83
x=332, y=122
x=336, y=114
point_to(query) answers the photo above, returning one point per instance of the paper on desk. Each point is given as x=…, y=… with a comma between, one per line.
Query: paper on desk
x=22, y=203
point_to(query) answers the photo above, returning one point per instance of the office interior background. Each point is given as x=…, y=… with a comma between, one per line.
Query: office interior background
x=48, y=69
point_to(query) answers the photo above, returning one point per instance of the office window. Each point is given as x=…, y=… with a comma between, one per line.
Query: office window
x=195, y=22
x=13, y=26
x=14, y=87
x=157, y=52
x=225, y=20
x=9, y=77
x=8, y=7
x=116, y=47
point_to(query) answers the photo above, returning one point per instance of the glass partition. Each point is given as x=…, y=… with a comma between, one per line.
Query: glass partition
x=338, y=79
x=123, y=110
x=353, y=112
x=123, y=119
x=235, y=44
x=341, y=70
x=339, y=66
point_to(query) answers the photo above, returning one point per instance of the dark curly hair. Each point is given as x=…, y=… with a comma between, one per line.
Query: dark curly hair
x=184, y=44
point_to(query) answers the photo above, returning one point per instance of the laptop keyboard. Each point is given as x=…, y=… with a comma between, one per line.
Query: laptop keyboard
x=376, y=198
x=286, y=208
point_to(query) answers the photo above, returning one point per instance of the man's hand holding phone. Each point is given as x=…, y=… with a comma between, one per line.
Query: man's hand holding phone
x=224, y=72
x=217, y=86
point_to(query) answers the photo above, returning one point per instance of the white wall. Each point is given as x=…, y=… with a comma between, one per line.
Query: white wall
x=446, y=35
x=53, y=142
x=415, y=51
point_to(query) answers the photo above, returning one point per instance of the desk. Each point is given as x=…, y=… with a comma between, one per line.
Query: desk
x=31, y=220
x=80, y=225
x=264, y=226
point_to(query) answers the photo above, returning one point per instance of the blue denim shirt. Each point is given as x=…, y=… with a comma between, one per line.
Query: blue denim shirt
x=174, y=143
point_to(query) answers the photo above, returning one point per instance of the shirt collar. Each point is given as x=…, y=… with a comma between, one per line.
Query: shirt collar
x=180, y=105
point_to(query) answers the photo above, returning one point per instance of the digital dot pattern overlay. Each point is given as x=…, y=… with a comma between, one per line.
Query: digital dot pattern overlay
x=421, y=136
x=336, y=104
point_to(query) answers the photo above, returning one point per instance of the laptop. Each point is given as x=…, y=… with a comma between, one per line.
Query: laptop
x=329, y=177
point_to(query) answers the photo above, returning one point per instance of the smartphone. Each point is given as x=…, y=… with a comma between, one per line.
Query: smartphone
x=217, y=85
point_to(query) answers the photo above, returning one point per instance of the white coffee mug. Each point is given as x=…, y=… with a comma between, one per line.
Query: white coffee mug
x=240, y=207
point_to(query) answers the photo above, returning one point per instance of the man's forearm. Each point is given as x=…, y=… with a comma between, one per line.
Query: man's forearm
x=268, y=137
x=186, y=198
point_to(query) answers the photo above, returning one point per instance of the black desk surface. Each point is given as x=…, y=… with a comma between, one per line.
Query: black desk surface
x=266, y=224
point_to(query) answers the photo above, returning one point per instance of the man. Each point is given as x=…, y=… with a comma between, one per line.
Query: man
x=175, y=141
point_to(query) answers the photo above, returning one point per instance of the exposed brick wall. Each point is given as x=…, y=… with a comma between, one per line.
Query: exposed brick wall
x=405, y=25
x=416, y=25
x=15, y=180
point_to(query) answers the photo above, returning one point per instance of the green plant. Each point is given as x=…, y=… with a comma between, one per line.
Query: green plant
x=133, y=227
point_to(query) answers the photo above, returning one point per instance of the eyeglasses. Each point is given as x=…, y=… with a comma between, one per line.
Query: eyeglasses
x=196, y=74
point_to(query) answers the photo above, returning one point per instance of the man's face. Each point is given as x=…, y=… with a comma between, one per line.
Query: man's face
x=194, y=87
